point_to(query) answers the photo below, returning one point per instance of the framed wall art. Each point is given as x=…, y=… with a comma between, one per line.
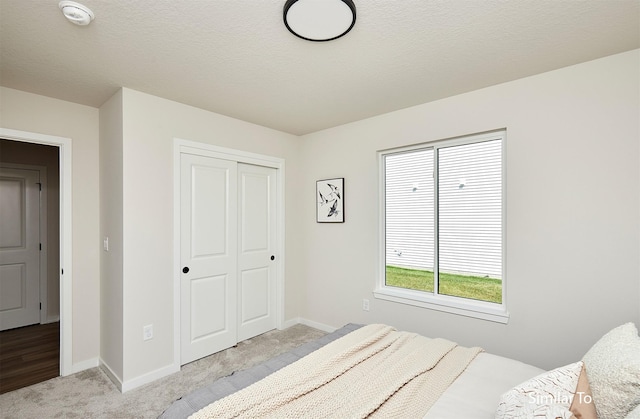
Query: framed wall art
x=330, y=200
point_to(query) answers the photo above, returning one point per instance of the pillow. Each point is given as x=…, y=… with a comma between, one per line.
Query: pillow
x=613, y=370
x=582, y=405
x=548, y=395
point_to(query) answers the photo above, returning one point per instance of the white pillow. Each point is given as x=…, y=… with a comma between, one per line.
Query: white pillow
x=613, y=370
x=548, y=395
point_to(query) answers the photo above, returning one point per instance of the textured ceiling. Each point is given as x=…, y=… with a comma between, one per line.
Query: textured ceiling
x=235, y=57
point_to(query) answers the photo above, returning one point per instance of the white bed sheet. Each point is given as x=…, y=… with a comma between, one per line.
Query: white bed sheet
x=476, y=392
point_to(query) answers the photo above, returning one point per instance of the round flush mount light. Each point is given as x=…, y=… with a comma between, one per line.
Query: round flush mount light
x=319, y=20
x=76, y=13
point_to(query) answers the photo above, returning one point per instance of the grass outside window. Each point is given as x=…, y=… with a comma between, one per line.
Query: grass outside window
x=466, y=286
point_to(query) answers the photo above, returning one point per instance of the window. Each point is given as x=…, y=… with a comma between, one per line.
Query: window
x=442, y=220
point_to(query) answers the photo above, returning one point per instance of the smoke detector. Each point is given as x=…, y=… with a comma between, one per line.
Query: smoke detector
x=76, y=13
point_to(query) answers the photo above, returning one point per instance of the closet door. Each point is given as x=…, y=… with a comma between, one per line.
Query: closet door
x=208, y=242
x=256, y=250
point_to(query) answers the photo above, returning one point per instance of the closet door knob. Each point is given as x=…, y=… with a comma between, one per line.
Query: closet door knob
x=185, y=270
x=273, y=257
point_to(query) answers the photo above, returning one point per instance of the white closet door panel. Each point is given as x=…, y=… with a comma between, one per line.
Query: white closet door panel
x=255, y=284
x=208, y=256
x=208, y=306
x=209, y=213
x=255, y=211
x=256, y=257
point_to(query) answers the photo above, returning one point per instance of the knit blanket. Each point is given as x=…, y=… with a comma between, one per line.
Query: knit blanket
x=374, y=371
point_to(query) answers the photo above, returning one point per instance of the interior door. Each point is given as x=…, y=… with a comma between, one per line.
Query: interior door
x=209, y=246
x=19, y=248
x=256, y=250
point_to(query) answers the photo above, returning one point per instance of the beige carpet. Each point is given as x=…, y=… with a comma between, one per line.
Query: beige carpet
x=90, y=394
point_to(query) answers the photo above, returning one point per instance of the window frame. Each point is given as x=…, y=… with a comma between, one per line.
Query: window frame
x=456, y=305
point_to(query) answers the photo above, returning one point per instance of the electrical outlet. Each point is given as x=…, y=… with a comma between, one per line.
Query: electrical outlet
x=365, y=304
x=147, y=332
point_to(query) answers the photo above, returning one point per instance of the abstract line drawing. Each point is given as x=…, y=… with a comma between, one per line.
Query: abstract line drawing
x=330, y=200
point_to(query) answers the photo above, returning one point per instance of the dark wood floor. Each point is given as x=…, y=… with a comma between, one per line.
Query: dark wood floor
x=29, y=355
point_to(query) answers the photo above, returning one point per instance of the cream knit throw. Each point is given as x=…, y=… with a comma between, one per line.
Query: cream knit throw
x=372, y=371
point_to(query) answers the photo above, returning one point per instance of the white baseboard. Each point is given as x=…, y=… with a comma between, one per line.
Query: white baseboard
x=84, y=365
x=149, y=377
x=292, y=322
x=112, y=375
x=317, y=325
x=310, y=323
x=125, y=386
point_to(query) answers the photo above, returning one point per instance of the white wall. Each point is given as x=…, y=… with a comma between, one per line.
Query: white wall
x=150, y=125
x=572, y=195
x=573, y=225
x=33, y=113
x=111, y=215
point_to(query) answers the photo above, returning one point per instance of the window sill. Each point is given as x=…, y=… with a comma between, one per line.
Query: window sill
x=476, y=309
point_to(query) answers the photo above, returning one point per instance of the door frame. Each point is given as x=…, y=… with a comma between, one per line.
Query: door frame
x=66, y=265
x=42, y=216
x=181, y=146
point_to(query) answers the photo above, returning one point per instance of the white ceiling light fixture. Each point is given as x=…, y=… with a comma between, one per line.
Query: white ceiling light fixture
x=76, y=13
x=319, y=20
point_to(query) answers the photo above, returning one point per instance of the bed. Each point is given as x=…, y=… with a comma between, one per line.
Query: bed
x=377, y=371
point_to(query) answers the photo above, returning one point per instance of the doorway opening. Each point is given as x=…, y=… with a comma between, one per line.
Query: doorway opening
x=55, y=319
x=29, y=264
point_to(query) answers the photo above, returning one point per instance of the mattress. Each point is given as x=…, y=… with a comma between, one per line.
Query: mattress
x=474, y=394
